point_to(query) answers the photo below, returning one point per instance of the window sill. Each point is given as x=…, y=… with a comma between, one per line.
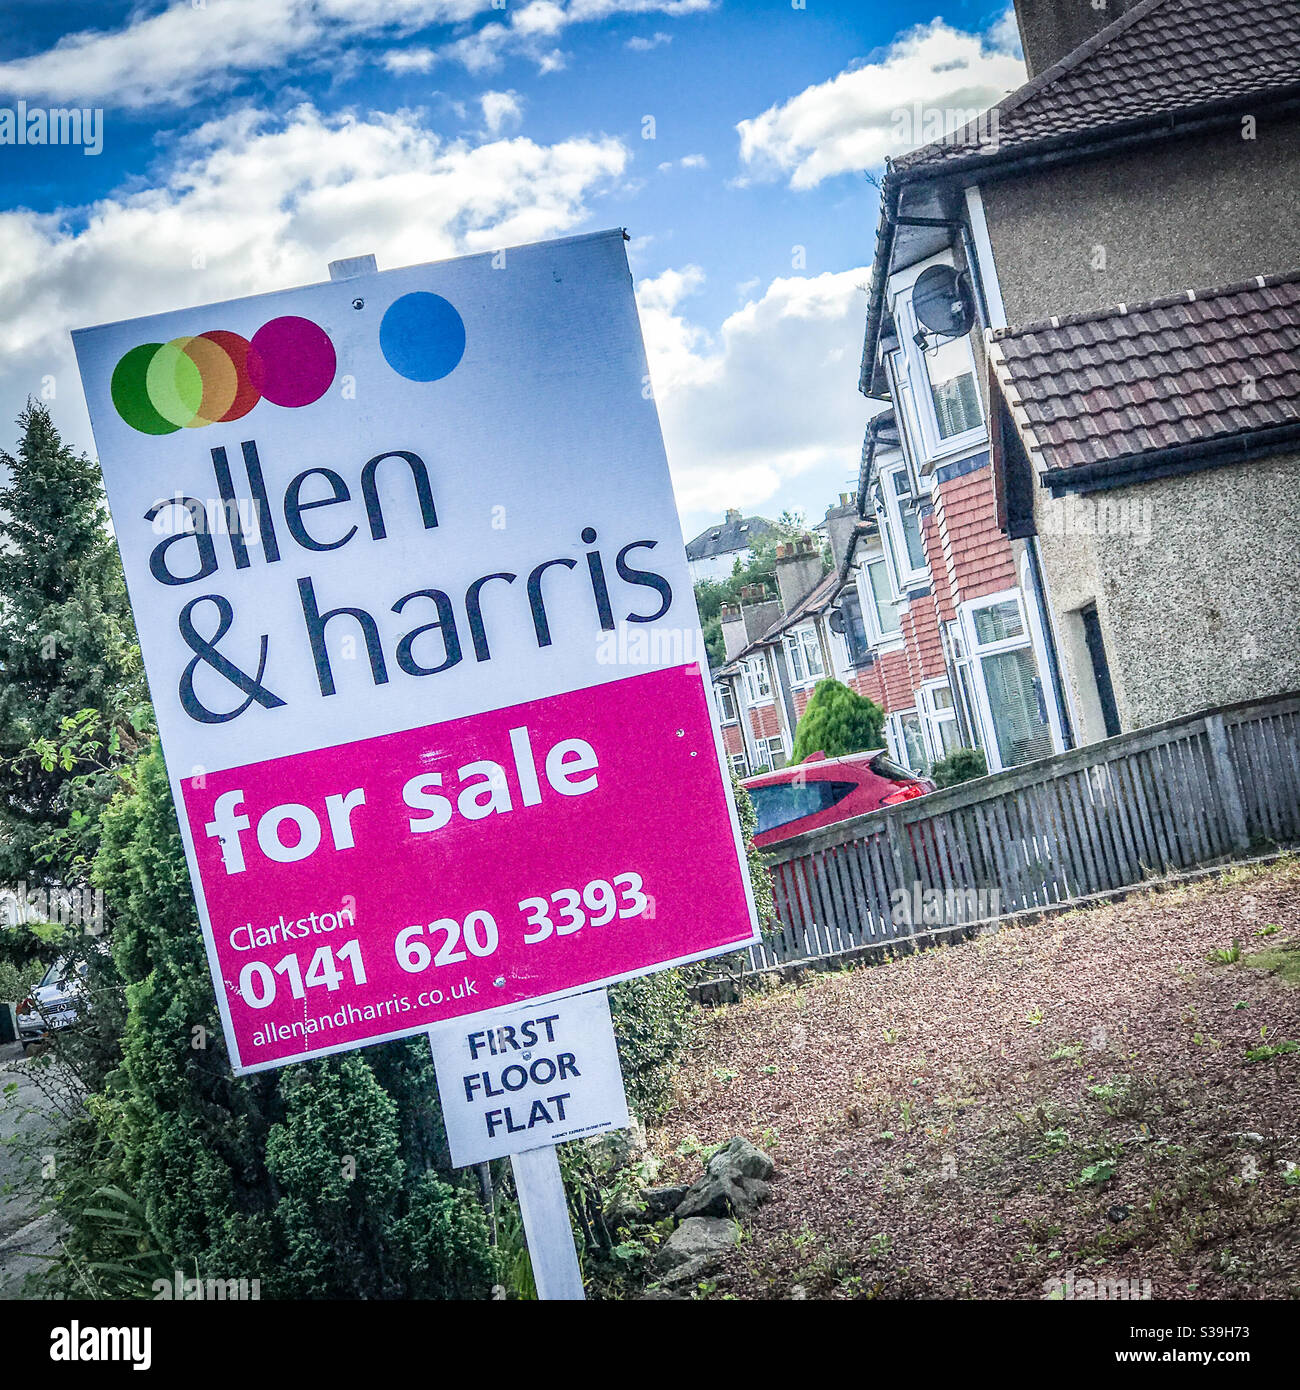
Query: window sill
x=964, y=446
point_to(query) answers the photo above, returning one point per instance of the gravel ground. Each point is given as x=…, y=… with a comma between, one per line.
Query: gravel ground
x=1025, y=1115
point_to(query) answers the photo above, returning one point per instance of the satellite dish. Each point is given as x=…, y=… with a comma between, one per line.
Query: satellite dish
x=837, y=621
x=942, y=302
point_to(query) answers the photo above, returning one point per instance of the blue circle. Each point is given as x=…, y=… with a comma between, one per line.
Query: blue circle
x=422, y=337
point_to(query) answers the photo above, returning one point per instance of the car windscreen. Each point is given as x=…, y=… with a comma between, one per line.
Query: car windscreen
x=54, y=975
x=779, y=803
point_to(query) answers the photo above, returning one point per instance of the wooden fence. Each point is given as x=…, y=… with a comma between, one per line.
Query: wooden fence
x=1203, y=789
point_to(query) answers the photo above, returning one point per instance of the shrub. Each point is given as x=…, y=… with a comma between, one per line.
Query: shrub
x=324, y=1179
x=837, y=721
x=961, y=765
x=652, y=1022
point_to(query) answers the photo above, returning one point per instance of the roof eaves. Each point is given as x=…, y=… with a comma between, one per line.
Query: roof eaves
x=1240, y=447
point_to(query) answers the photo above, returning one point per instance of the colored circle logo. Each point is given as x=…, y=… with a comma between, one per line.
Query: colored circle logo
x=158, y=388
x=422, y=336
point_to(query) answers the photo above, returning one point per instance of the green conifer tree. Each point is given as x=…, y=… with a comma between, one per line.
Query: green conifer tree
x=67, y=644
x=837, y=721
x=324, y=1179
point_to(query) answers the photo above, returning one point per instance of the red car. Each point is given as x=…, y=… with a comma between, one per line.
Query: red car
x=822, y=790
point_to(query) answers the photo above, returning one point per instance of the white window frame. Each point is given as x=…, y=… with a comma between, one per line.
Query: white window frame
x=798, y=642
x=739, y=764
x=867, y=597
x=897, y=740
x=765, y=749
x=909, y=363
x=841, y=665
x=932, y=716
x=905, y=575
x=755, y=665
x=976, y=651
x=725, y=694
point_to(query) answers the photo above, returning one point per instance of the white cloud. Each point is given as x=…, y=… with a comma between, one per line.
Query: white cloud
x=689, y=161
x=411, y=59
x=171, y=56
x=768, y=398
x=501, y=109
x=533, y=29
x=249, y=207
x=640, y=44
x=185, y=50
x=931, y=76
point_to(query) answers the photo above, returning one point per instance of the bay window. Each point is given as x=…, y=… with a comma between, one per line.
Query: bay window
x=804, y=653
x=901, y=526
x=1008, y=689
x=758, y=688
x=726, y=702
x=879, y=599
x=942, y=391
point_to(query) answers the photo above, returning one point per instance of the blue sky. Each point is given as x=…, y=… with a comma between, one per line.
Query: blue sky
x=247, y=142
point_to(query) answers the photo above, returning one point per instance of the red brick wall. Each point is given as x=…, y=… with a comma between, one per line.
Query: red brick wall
x=731, y=739
x=888, y=681
x=801, y=698
x=976, y=556
x=763, y=720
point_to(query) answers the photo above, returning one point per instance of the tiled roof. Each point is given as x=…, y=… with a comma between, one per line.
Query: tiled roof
x=1161, y=59
x=737, y=533
x=1182, y=373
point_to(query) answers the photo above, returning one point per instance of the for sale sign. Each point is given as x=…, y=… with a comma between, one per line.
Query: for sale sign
x=519, y=1079
x=421, y=638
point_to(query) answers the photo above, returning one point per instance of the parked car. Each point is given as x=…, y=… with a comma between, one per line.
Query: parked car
x=54, y=1003
x=822, y=790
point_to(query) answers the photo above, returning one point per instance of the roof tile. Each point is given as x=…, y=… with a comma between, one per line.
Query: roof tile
x=1109, y=385
x=1162, y=58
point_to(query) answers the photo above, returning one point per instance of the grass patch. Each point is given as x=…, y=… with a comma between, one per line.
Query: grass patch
x=1282, y=962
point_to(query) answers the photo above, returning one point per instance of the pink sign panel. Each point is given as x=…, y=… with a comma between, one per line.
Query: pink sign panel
x=369, y=890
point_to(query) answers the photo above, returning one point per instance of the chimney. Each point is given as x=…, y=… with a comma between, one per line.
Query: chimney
x=840, y=523
x=798, y=568
x=1050, y=29
x=734, y=636
x=733, y=514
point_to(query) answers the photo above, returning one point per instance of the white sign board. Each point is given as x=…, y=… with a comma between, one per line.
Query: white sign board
x=416, y=616
x=520, y=1079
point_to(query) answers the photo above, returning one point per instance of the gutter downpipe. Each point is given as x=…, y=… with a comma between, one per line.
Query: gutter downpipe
x=1049, y=640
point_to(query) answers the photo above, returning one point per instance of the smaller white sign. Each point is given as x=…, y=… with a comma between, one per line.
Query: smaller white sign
x=524, y=1078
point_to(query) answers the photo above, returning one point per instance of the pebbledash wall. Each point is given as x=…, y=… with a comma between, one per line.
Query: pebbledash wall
x=1197, y=582
x=1197, y=585
x=1167, y=217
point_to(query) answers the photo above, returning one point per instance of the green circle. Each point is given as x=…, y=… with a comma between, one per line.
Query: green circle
x=174, y=383
x=131, y=394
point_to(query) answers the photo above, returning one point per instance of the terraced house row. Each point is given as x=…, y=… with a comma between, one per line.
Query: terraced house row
x=1077, y=508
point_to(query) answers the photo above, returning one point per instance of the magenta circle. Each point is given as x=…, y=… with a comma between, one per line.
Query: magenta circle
x=294, y=361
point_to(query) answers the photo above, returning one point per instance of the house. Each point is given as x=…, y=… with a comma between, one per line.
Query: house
x=864, y=622
x=714, y=553
x=1081, y=304
x=777, y=649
